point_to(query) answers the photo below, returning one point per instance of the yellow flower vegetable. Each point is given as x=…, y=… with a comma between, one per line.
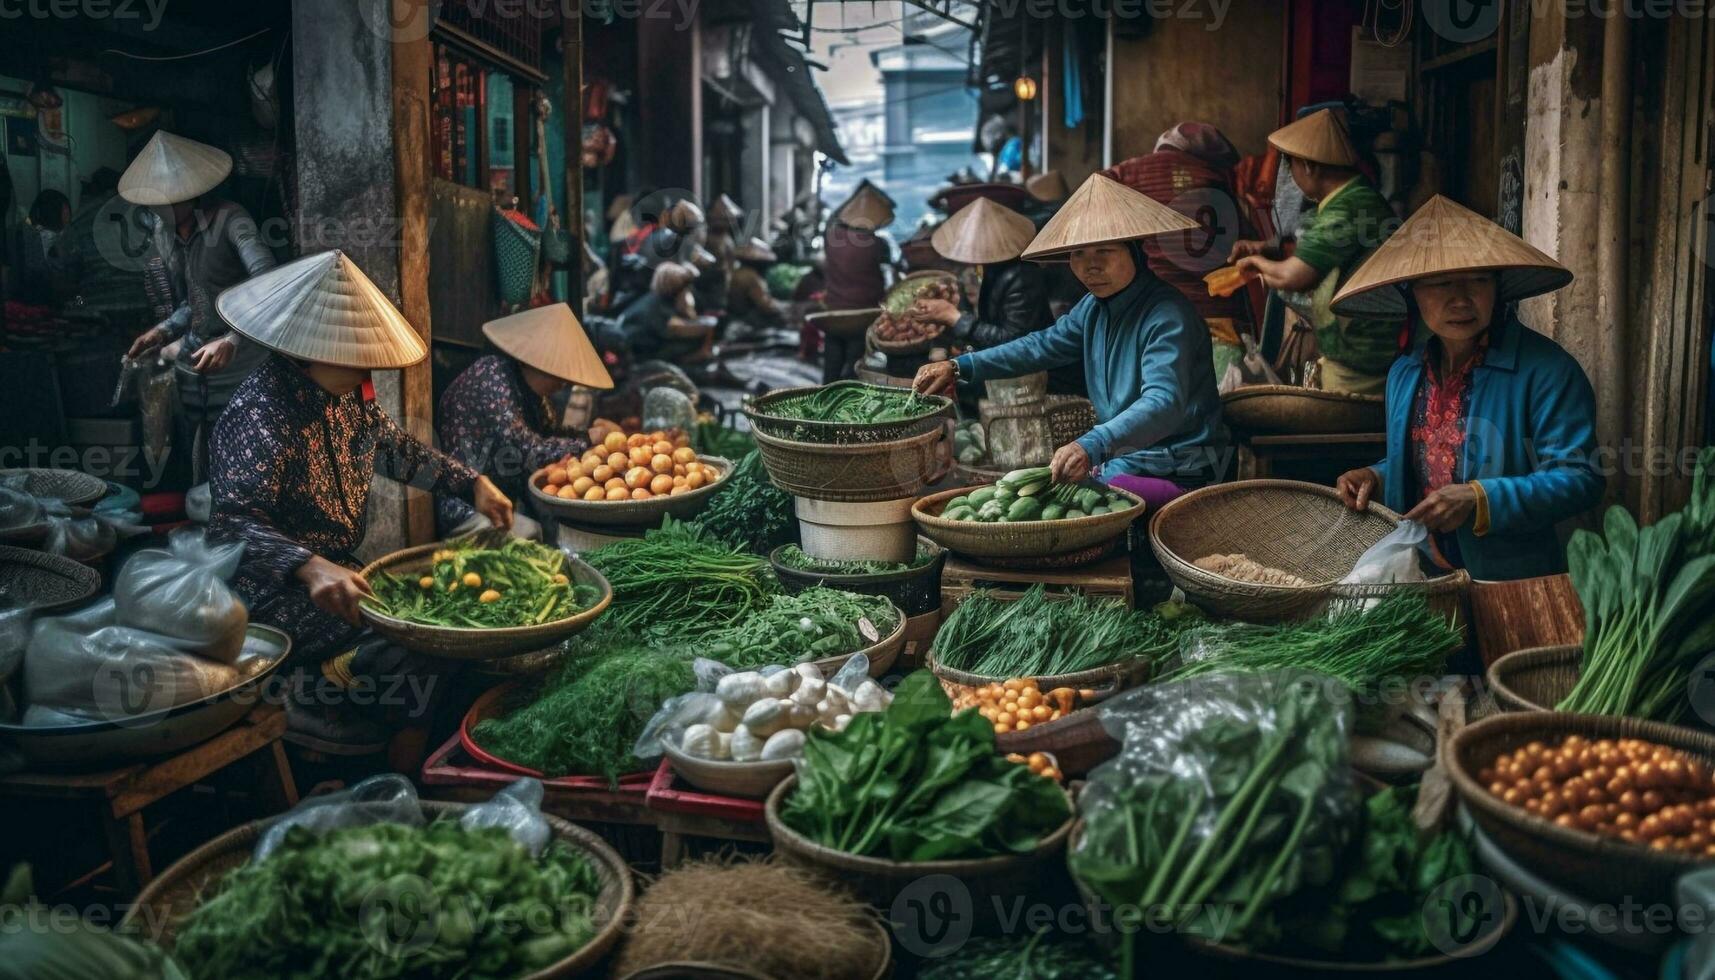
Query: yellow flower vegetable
x=489, y=595
x=427, y=582
x=472, y=579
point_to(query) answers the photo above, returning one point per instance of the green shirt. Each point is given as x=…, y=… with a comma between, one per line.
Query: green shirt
x=1334, y=240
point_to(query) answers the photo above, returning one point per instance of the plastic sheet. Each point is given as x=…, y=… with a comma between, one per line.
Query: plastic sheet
x=180, y=591
x=18, y=507
x=1392, y=559
x=391, y=798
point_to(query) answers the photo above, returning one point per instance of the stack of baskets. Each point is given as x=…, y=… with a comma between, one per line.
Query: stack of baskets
x=1289, y=409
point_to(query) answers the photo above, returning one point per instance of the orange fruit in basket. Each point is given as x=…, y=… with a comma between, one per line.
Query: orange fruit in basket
x=602, y=473
x=694, y=479
x=641, y=493
x=617, y=483
x=592, y=459
x=684, y=454
x=661, y=484
x=558, y=475
x=635, y=439
x=641, y=455
x=681, y=440
x=551, y=489
x=582, y=484
x=595, y=493
x=638, y=476
x=678, y=479
x=618, y=493
x=661, y=463
x=569, y=493
x=619, y=461
x=681, y=488
x=613, y=441
x=663, y=448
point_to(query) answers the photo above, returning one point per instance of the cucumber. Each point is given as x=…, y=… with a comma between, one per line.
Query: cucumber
x=1074, y=512
x=1094, y=511
x=959, y=514
x=1088, y=498
x=1023, y=509
x=958, y=502
x=1053, y=512
x=980, y=496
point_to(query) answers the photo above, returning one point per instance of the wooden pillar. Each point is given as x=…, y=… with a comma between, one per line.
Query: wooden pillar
x=572, y=55
x=412, y=57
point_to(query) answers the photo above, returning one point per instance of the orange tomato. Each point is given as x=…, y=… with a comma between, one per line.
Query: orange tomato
x=679, y=489
x=684, y=454
x=592, y=459
x=641, y=493
x=678, y=479
x=618, y=493
x=661, y=463
x=619, y=461
x=582, y=484
x=569, y=493
x=595, y=493
x=694, y=479
x=641, y=455
x=613, y=441
x=636, y=439
x=551, y=489
x=557, y=475
x=661, y=484
x=663, y=448
x=638, y=476
x=617, y=483
x=602, y=473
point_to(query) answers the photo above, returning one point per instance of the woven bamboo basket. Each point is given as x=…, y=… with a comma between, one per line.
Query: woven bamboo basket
x=856, y=473
x=1106, y=680
x=76, y=488
x=689, y=970
x=462, y=643
x=43, y=583
x=904, y=292
x=902, y=348
x=632, y=513
x=163, y=905
x=767, y=417
x=846, y=324
x=1536, y=679
x=1447, y=594
x=1598, y=868
x=1020, y=539
x=914, y=591
x=1292, y=409
x=994, y=883
x=882, y=654
x=1300, y=528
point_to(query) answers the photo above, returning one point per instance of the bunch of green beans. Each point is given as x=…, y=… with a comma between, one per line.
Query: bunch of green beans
x=1039, y=636
x=678, y=579
x=853, y=403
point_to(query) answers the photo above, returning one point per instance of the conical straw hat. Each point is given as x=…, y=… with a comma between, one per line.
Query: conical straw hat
x=1104, y=210
x=867, y=208
x=1319, y=137
x=322, y=308
x=1048, y=186
x=755, y=250
x=550, y=339
x=724, y=212
x=620, y=205
x=171, y=170
x=1446, y=237
x=982, y=232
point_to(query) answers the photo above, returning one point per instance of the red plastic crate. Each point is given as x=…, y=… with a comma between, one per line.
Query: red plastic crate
x=670, y=794
x=450, y=765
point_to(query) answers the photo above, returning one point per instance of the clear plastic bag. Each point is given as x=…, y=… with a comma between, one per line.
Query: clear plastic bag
x=391, y=798
x=667, y=409
x=180, y=591
x=1230, y=793
x=87, y=535
x=18, y=507
x=85, y=666
x=723, y=709
x=1392, y=559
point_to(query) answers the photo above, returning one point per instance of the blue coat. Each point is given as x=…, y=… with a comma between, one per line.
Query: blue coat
x=1530, y=441
x=1150, y=374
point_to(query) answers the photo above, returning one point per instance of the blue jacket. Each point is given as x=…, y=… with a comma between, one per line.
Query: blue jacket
x=1530, y=442
x=1150, y=373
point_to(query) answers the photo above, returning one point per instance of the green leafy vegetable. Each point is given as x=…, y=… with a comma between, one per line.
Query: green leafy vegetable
x=515, y=583
x=749, y=512
x=812, y=625
x=918, y=783
x=714, y=439
x=679, y=579
x=854, y=402
x=1042, y=956
x=1040, y=636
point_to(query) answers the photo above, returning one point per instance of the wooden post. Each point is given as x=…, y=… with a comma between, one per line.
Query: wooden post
x=572, y=57
x=411, y=60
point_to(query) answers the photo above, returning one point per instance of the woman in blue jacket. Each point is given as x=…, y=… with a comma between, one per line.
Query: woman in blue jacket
x=1491, y=436
x=1144, y=350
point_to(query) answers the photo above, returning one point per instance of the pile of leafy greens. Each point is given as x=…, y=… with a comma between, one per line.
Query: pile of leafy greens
x=919, y=783
x=750, y=512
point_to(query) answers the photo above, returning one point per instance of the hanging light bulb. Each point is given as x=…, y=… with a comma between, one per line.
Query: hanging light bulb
x=1024, y=87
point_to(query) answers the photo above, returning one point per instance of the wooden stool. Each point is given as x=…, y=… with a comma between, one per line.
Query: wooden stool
x=124, y=793
x=1109, y=577
x=682, y=811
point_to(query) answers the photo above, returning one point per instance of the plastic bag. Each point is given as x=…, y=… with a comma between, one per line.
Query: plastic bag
x=87, y=535
x=18, y=507
x=85, y=666
x=1251, y=369
x=1256, y=762
x=180, y=591
x=701, y=706
x=390, y=798
x=199, y=503
x=1392, y=559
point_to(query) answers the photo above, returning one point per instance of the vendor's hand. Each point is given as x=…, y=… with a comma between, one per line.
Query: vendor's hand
x=1357, y=487
x=1447, y=509
x=935, y=378
x=335, y=589
x=1250, y=266
x=1070, y=463
x=147, y=341
x=214, y=355
x=937, y=311
x=491, y=503
x=1246, y=248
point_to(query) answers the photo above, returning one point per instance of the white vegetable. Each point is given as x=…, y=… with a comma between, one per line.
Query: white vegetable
x=722, y=718
x=781, y=683
x=740, y=690
x=838, y=697
x=701, y=741
x=745, y=747
x=765, y=717
x=869, y=697
x=841, y=721
x=783, y=744
x=826, y=712
x=809, y=692
x=724, y=748
x=800, y=715
x=807, y=672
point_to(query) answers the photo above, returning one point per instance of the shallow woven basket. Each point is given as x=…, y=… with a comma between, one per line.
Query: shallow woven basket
x=76, y=488
x=1289, y=409
x=1105, y=681
x=1461, y=963
x=164, y=903
x=632, y=513
x=1020, y=539
x=994, y=883
x=749, y=780
x=851, y=474
x=42, y=583
x=464, y=643
x=1597, y=868
x=1300, y=528
x=913, y=284
x=882, y=654
x=847, y=324
x=1536, y=679
x=763, y=412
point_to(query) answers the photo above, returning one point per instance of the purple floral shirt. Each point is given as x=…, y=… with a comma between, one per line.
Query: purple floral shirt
x=490, y=420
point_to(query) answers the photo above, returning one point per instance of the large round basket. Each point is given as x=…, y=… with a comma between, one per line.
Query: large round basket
x=162, y=906
x=76, y=488
x=43, y=583
x=915, y=590
x=698, y=970
x=994, y=883
x=904, y=348
x=1536, y=679
x=1104, y=681
x=1020, y=539
x=1289, y=409
x=882, y=653
x=1602, y=869
x=857, y=473
x=1456, y=964
x=844, y=324
x=1301, y=528
x=632, y=513
x=770, y=415
x=903, y=293
x=748, y=780
x=462, y=643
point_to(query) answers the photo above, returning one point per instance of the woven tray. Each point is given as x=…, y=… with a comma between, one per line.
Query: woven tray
x=763, y=412
x=1021, y=539
x=462, y=643
x=43, y=583
x=852, y=474
x=1105, y=681
x=903, y=348
x=846, y=324
x=632, y=513
x=1289, y=409
x=1536, y=679
x=1600, y=869
x=166, y=901
x=76, y=488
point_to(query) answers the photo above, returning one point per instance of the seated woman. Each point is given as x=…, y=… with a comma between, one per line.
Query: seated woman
x=498, y=418
x=1144, y=349
x=748, y=299
x=1491, y=433
x=293, y=457
x=662, y=324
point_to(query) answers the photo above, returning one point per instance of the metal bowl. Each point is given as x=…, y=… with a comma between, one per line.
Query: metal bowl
x=632, y=513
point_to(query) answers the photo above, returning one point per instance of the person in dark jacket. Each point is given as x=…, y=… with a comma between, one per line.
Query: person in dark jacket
x=748, y=299
x=663, y=323
x=855, y=266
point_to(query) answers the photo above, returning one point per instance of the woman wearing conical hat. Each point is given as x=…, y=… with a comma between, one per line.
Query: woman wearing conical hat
x=207, y=245
x=497, y=416
x=1491, y=432
x=748, y=298
x=1013, y=298
x=856, y=259
x=1144, y=350
x=1351, y=219
x=295, y=452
